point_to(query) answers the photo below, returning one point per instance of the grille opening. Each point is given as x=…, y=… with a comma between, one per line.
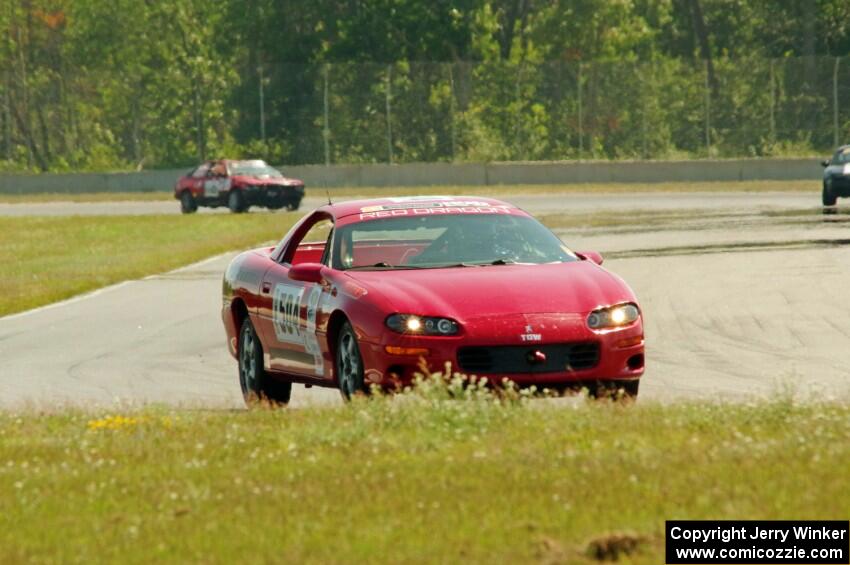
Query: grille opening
x=635, y=362
x=560, y=357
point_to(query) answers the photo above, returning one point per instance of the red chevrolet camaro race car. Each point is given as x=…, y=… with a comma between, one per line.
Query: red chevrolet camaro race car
x=358, y=293
x=237, y=185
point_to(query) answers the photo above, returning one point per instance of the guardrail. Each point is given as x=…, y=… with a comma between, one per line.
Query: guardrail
x=444, y=174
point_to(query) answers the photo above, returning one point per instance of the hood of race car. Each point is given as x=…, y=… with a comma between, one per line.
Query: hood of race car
x=466, y=293
x=265, y=181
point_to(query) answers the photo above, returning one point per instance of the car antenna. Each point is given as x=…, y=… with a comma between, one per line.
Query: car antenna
x=328, y=192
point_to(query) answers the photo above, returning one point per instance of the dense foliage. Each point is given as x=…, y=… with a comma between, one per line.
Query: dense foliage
x=88, y=84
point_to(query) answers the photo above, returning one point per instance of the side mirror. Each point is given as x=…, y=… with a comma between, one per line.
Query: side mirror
x=307, y=272
x=825, y=163
x=590, y=256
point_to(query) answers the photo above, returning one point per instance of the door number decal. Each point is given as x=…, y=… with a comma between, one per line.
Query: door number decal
x=286, y=312
x=213, y=186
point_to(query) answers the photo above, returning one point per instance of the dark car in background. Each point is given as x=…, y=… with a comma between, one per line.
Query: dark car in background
x=237, y=185
x=836, y=176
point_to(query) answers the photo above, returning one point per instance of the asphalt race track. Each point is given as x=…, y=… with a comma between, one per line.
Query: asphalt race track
x=742, y=296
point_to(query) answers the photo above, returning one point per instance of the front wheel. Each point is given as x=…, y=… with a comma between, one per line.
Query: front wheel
x=828, y=196
x=236, y=202
x=187, y=203
x=349, y=364
x=255, y=382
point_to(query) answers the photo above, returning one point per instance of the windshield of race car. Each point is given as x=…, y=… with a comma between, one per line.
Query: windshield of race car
x=841, y=156
x=253, y=169
x=446, y=241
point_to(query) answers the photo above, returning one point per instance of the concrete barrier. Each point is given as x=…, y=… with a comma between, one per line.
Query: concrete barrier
x=381, y=175
x=76, y=183
x=443, y=174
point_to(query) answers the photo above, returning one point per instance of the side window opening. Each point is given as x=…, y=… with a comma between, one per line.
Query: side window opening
x=201, y=171
x=314, y=247
x=217, y=170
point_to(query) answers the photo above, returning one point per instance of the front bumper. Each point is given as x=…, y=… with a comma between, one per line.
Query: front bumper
x=567, y=358
x=274, y=195
x=840, y=185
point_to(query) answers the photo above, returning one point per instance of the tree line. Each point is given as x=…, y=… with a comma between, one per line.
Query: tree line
x=132, y=84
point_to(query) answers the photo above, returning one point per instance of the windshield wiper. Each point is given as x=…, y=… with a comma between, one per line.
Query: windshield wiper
x=486, y=263
x=468, y=264
x=383, y=265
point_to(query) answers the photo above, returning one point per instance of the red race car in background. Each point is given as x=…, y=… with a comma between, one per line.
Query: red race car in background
x=237, y=185
x=357, y=293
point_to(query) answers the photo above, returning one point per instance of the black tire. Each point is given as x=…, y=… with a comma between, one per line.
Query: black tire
x=187, y=203
x=630, y=389
x=293, y=205
x=828, y=197
x=236, y=201
x=349, y=364
x=256, y=384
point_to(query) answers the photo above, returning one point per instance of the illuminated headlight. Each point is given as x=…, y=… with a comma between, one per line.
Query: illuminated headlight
x=846, y=170
x=422, y=325
x=613, y=317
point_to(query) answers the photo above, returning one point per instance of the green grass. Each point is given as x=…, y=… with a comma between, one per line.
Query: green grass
x=496, y=191
x=46, y=259
x=417, y=478
x=87, y=197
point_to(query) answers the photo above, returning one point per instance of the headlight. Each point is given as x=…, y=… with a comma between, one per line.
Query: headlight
x=421, y=325
x=613, y=316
